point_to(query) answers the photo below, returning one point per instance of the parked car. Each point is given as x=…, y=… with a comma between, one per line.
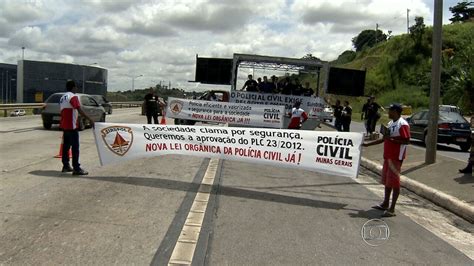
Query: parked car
x=18, y=112
x=328, y=114
x=453, y=128
x=51, y=112
x=450, y=108
x=101, y=100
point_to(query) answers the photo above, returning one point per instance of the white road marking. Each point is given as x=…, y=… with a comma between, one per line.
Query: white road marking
x=432, y=220
x=183, y=251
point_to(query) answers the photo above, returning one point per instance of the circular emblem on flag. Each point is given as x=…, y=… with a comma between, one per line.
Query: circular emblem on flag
x=176, y=107
x=118, y=139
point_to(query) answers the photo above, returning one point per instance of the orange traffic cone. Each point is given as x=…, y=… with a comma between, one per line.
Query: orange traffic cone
x=163, y=119
x=60, y=154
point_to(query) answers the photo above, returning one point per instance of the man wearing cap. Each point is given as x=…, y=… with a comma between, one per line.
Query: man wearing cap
x=395, y=140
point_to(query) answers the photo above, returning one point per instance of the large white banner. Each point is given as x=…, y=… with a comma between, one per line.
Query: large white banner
x=313, y=106
x=336, y=153
x=223, y=112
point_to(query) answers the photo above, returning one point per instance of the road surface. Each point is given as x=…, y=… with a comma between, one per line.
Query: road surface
x=133, y=213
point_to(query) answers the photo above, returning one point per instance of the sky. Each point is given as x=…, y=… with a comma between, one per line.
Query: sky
x=160, y=39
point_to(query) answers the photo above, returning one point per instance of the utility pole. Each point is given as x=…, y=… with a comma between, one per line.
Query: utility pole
x=408, y=21
x=133, y=81
x=431, y=138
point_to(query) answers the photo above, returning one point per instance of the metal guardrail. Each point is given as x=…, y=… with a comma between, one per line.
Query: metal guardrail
x=28, y=106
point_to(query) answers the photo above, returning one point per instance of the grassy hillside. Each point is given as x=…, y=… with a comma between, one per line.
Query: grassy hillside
x=400, y=71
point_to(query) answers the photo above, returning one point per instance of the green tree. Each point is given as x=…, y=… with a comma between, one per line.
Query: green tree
x=417, y=31
x=310, y=57
x=367, y=39
x=346, y=57
x=462, y=12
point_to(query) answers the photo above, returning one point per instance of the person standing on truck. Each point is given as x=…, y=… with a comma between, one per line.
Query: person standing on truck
x=274, y=84
x=250, y=84
x=151, y=107
x=297, y=116
x=265, y=86
x=70, y=109
x=307, y=91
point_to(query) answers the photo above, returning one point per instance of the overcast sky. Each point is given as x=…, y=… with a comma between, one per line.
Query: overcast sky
x=159, y=39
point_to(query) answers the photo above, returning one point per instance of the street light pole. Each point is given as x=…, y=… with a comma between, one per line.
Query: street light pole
x=133, y=81
x=432, y=134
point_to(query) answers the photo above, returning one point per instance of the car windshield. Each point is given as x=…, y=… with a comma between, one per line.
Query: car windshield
x=54, y=98
x=452, y=117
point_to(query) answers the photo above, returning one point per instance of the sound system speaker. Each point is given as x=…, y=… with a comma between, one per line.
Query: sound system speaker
x=343, y=81
x=216, y=71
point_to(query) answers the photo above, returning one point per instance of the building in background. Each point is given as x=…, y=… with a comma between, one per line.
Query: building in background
x=37, y=80
x=8, y=83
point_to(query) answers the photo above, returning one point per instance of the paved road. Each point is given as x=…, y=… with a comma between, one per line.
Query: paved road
x=133, y=213
x=451, y=151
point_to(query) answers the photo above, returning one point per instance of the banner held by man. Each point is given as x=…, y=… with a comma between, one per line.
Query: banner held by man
x=325, y=152
x=224, y=112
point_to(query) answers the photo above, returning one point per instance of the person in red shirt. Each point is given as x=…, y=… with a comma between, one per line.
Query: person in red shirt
x=70, y=109
x=395, y=140
x=298, y=117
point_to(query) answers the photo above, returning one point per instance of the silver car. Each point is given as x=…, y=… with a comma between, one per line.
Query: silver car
x=51, y=112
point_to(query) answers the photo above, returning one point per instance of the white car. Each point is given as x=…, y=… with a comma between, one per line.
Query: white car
x=328, y=114
x=18, y=112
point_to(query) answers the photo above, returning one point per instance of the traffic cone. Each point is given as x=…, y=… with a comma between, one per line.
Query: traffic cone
x=60, y=154
x=163, y=119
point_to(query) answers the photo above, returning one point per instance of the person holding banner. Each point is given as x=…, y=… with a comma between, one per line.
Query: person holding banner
x=395, y=140
x=70, y=107
x=298, y=117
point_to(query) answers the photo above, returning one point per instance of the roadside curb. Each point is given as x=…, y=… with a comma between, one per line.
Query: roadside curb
x=440, y=198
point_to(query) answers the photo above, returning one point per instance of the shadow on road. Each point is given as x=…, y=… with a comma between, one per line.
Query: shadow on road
x=189, y=186
x=440, y=147
x=412, y=169
x=465, y=179
x=368, y=214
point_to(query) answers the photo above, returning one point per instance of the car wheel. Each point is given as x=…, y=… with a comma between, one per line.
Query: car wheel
x=425, y=139
x=82, y=124
x=465, y=146
x=47, y=125
x=110, y=111
x=102, y=119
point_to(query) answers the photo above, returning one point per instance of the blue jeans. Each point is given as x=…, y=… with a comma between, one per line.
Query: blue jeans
x=71, y=140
